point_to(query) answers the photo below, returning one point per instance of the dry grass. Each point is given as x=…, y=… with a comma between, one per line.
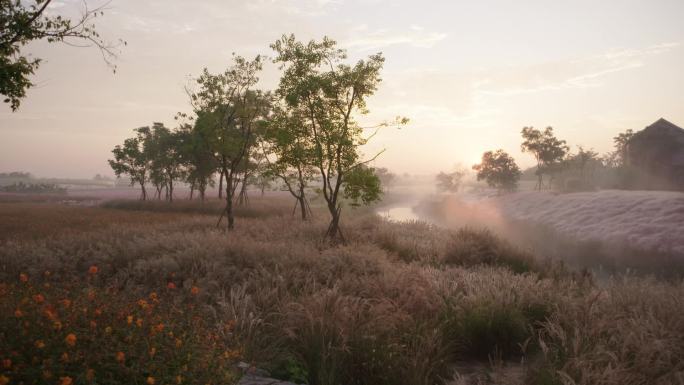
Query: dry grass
x=398, y=304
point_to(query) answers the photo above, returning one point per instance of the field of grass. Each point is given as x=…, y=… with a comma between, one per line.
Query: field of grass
x=148, y=293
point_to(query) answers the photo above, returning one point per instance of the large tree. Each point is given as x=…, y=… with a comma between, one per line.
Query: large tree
x=197, y=158
x=230, y=114
x=548, y=151
x=330, y=95
x=499, y=170
x=22, y=22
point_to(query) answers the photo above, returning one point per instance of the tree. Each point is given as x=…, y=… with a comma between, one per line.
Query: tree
x=450, y=182
x=499, y=170
x=386, y=177
x=197, y=158
x=130, y=159
x=230, y=114
x=329, y=95
x=547, y=150
x=287, y=140
x=22, y=22
x=164, y=148
x=620, y=142
x=362, y=186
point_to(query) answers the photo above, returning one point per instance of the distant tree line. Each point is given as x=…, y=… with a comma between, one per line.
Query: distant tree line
x=304, y=132
x=557, y=166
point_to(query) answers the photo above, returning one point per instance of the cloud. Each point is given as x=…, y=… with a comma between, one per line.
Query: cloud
x=415, y=36
x=585, y=72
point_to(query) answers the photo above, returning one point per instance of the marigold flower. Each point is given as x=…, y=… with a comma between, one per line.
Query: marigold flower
x=194, y=290
x=142, y=303
x=65, y=302
x=70, y=339
x=179, y=379
x=129, y=319
x=154, y=297
x=4, y=380
x=179, y=342
x=65, y=357
x=171, y=285
x=6, y=363
x=57, y=325
x=120, y=356
x=50, y=313
x=18, y=313
x=98, y=312
x=39, y=344
x=108, y=330
x=23, y=277
x=39, y=298
x=139, y=322
x=92, y=270
x=150, y=380
x=65, y=380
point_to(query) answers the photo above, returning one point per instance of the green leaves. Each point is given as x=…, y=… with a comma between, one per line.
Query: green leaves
x=362, y=185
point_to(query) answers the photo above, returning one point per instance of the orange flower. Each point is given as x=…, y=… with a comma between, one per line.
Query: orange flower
x=120, y=357
x=98, y=312
x=179, y=379
x=23, y=277
x=39, y=298
x=194, y=290
x=150, y=380
x=6, y=363
x=57, y=325
x=65, y=357
x=65, y=380
x=108, y=330
x=92, y=270
x=65, y=302
x=129, y=319
x=93, y=324
x=4, y=380
x=179, y=342
x=50, y=313
x=18, y=313
x=139, y=322
x=171, y=285
x=158, y=328
x=39, y=344
x=153, y=297
x=70, y=339
x=153, y=351
x=142, y=303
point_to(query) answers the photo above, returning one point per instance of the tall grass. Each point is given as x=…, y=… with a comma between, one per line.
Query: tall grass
x=397, y=304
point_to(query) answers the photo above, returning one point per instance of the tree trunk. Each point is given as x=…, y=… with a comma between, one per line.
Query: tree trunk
x=143, y=196
x=334, y=230
x=221, y=184
x=192, y=189
x=170, y=190
x=302, y=206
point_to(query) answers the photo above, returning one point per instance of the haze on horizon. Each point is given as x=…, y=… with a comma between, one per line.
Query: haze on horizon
x=469, y=75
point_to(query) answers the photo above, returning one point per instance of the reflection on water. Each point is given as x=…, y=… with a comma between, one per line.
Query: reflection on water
x=398, y=214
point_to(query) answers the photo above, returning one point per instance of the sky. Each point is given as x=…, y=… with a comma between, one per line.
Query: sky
x=468, y=74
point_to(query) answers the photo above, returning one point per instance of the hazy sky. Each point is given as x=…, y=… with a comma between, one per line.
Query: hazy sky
x=469, y=74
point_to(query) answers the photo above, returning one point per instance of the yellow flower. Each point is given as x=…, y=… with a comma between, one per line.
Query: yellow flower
x=65, y=380
x=4, y=380
x=150, y=380
x=39, y=344
x=70, y=339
